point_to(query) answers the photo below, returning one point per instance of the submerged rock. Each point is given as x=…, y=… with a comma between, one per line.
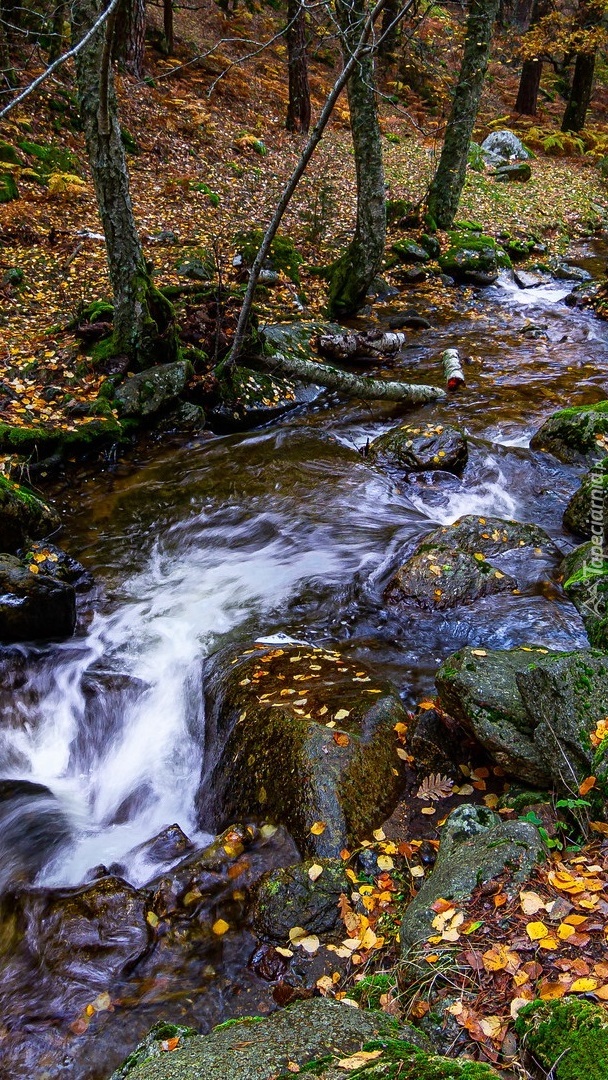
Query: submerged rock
x=33, y=606
x=56, y=563
x=303, y=737
x=492, y=536
x=23, y=516
x=416, y=448
x=437, y=577
x=567, y=272
x=575, y=435
x=289, y=897
x=33, y=828
x=587, y=511
x=150, y=391
x=479, y=688
x=476, y=847
x=319, y=1031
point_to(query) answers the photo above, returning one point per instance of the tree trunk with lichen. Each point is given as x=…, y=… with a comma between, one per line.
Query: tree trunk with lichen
x=130, y=36
x=532, y=68
x=143, y=319
x=357, y=386
x=352, y=274
x=448, y=182
x=298, y=106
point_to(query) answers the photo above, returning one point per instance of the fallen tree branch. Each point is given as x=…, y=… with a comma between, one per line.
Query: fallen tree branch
x=452, y=367
x=370, y=343
x=358, y=386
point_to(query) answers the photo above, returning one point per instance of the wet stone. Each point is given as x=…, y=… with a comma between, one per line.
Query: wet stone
x=416, y=448
x=587, y=511
x=33, y=606
x=493, y=536
x=300, y=736
x=437, y=577
x=291, y=897
x=22, y=516
x=575, y=435
x=33, y=829
x=585, y=582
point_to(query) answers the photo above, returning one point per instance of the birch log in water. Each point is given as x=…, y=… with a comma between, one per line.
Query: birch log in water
x=452, y=367
x=368, y=343
x=358, y=386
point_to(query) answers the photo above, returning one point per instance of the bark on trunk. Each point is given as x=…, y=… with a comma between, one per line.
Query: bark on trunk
x=168, y=26
x=143, y=319
x=7, y=72
x=307, y=371
x=130, y=36
x=448, y=182
x=389, y=32
x=354, y=346
x=298, y=107
x=353, y=273
x=529, y=84
x=580, y=94
x=59, y=15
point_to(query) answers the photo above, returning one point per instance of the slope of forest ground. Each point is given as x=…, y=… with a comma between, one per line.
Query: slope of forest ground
x=208, y=157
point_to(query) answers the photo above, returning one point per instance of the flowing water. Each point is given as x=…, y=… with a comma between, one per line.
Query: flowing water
x=283, y=531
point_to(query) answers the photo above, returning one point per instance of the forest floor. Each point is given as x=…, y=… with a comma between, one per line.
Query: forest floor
x=210, y=157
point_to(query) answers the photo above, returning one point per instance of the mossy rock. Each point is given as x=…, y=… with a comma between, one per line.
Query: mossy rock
x=479, y=688
x=313, y=1034
x=41, y=442
x=51, y=159
x=407, y=251
x=150, y=391
x=476, y=846
x=575, y=435
x=23, y=516
x=9, y=154
x=587, y=511
x=8, y=188
x=473, y=259
x=274, y=757
x=283, y=254
x=518, y=172
x=585, y=583
x=567, y=1038
x=437, y=577
x=415, y=448
x=33, y=606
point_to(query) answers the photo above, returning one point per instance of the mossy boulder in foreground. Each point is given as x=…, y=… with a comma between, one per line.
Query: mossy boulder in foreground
x=473, y=259
x=585, y=582
x=303, y=737
x=33, y=606
x=150, y=391
x=312, y=1037
x=567, y=1038
x=575, y=435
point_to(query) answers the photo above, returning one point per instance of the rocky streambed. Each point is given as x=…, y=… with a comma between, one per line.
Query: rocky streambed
x=256, y=618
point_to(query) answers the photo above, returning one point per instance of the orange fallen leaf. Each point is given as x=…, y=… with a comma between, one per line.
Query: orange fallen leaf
x=586, y=785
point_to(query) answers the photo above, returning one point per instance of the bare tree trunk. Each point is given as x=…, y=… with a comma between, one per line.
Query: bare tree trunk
x=168, y=25
x=353, y=273
x=59, y=15
x=580, y=93
x=130, y=36
x=8, y=78
x=448, y=182
x=298, y=108
x=389, y=31
x=143, y=319
x=529, y=85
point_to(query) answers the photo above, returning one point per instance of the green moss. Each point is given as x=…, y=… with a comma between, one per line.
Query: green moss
x=51, y=158
x=42, y=442
x=237, y=1020
x=9, y=154
x=402, y=1061
x=369, y=991
x=567, y=1037
x=283, y=252
x=8, y=188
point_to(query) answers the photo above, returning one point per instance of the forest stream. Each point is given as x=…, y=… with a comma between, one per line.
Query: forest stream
x=282, y=533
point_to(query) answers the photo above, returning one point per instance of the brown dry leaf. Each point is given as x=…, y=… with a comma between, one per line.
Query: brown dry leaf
x=358, y=1060
x=501, y=958
x=170, y=1044
x=435, y=786
x=531, y=902
x=587, y=785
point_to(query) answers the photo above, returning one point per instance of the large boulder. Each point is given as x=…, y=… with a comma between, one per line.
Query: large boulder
x=479, y=688
x=476, y=847
x=33, y=606
x=567, y=1038
x=23, y=516
x=473, y=259
x=501, y=147
x=291, y=897
x=519, y=172
x=148, y=392
x=303, y=737
x=416, y=447
x=587, y=511
x=575, y=435
x=319, y=1031
x=585, y=582
x=492, y=536
x=538, y=713
x=437, y=577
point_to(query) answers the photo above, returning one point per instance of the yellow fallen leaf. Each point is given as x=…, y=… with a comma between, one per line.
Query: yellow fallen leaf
x=356, y=1061
x=318, y=827
x=583, y=986
x=341, y=714
x=220, y=927
x=283, y=952
x=587, y=785
x=315, y=871
x=385, y=862
x=536, y=931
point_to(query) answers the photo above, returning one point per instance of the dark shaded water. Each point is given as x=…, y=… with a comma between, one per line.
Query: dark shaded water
x=282, y=531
